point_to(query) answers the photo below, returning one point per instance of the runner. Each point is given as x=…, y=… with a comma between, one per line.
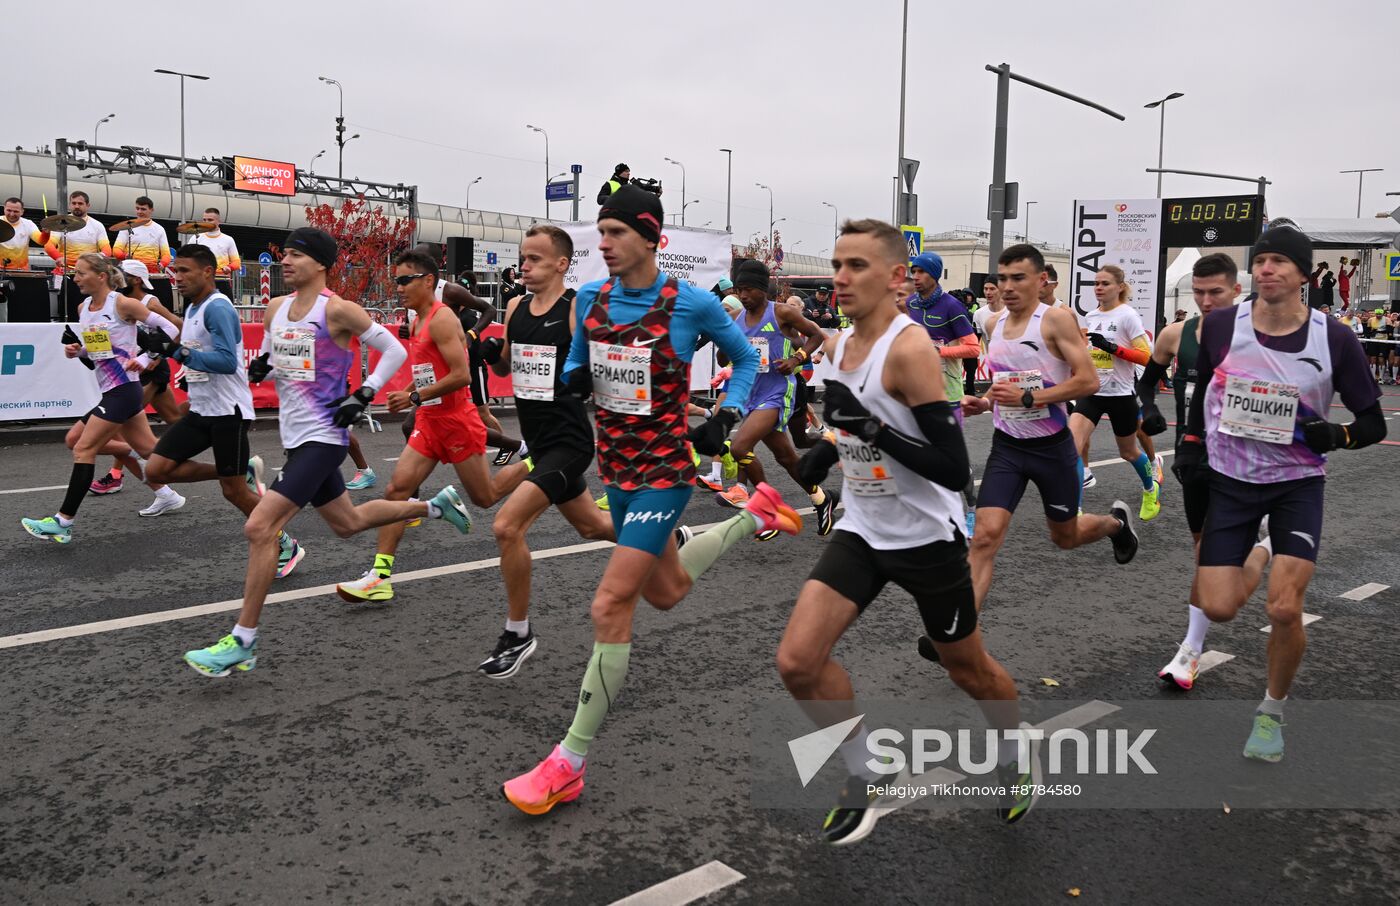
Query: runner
x=446, y=427
x=804, y=426
x=1267, y=371
x=1038, y=362
x=107, y=322
x=904, y=463
x=1119, y=342
x=538, y=332
x=1214, y=284
x=635, y=336
x=476, y=314
x=220, y=413
x=306, y=344
x=769, y=405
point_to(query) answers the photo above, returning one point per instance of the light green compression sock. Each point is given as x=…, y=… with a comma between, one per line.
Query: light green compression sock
x=701, y=552
x=602, y=681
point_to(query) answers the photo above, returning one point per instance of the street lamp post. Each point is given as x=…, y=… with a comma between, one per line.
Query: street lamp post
x=340, y=140
x=683, y=204
x=1028, y=219
x=184, y=161
x=771, y=221
x=546, y=165
x=1360, y=177
x=107, y=118
x=728, y=187
x=319, y=154
x=469, y=196
x=1161, y=132
x=835, y=221
x=899, y=161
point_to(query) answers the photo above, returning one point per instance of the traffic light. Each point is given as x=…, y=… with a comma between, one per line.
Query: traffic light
x=340, y=130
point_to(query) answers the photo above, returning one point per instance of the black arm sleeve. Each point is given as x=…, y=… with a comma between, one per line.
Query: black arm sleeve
x=942, y=458
x=1152, y=373
x=1369, y=428
x=1205, y=373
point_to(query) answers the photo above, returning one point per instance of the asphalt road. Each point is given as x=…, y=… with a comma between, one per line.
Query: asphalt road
x=361, y=762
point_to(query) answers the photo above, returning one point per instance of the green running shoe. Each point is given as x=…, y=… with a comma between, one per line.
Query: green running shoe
x=363, y=478
x=1265, y=742
x=1151, y=502
x=855, y=814
x=1021, y=788
x=449, y=503
x=48, y=529
x=729, y=469
x=289, y=554
x=223, y=656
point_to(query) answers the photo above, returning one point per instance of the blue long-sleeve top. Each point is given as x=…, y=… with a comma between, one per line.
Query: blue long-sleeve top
x=222, y=323
x=697, y=312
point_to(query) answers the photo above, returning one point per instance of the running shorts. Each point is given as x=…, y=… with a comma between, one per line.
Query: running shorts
x=1122, y=412
x=1195, y=498
x=311, y=474
x=195, y=433
x=119, y=404
x=159, y=376
x=1051, y=463
x=779, y=398
x=1236, y=507
x=644, y=518
x=559, y=472
x=451, y=437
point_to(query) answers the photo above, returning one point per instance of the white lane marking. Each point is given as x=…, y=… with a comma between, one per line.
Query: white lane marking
x=391, y=459
x=1308, y=620
x=48, y=487
x=688, y=887
x=1362, y=592
x=1212, y=659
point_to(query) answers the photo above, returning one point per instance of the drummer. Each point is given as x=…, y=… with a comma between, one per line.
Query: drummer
x=14, y=252
x=65, y=248
x=144, y=240
x=224, y=248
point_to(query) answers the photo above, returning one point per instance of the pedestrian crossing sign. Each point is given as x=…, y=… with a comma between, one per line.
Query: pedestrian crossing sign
x=914, y=241
x=1392, y=266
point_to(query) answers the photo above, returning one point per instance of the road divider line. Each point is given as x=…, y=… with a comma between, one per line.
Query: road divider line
x=47, y=487
x=688, y=887
x=1308, y=620
x=1362, y=592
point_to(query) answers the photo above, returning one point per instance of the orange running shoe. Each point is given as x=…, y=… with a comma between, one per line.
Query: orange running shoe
x=551, y=782
x=735, y=497
x=772, y=513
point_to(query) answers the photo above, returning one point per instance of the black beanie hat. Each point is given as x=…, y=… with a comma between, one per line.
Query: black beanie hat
x=751, y=273
x=638, y=208
x=1286, y=241
x=318, y=244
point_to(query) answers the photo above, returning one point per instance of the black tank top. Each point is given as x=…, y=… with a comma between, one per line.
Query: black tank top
x=1186, y=373
x=559, y=423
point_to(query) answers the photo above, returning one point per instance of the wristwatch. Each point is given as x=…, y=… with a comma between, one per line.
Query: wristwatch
x=1028, y=399
x=415, y=399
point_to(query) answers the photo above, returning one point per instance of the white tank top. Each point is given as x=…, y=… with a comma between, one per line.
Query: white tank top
x=887, y=504
x=1026, y=362
x=110, y=343
x=214, y=394
x=311, y=371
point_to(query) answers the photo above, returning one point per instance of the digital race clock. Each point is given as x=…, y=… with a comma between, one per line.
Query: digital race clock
x=1211, y=220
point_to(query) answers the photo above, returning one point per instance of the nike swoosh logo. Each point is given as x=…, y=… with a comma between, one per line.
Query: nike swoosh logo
x=954, y=628
x=552, y=323
x=641, y=342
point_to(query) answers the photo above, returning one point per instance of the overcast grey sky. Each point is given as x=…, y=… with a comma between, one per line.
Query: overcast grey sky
x=806, y=93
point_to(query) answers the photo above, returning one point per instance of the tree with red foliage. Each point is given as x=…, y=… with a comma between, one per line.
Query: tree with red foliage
x=760, y=250
x=367, y=240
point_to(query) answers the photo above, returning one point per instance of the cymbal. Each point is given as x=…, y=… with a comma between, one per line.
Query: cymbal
x=128, y=224
x=7, y=232
x=62, y=223
x=194, y=226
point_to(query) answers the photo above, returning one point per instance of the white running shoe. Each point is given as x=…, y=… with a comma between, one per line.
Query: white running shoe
x=164, y=503
x=1089, y=479
x=255, y=475
x=1160, y=468
x=1181, y=672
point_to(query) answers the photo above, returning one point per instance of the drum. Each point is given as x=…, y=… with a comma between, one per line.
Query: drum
x=161, y=288
x=27, y=296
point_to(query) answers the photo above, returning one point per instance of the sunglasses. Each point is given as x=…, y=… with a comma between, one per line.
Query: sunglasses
x=408, y=278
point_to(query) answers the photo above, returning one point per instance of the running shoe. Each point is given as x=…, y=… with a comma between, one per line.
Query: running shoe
x=1021, y=786
x=602, y=502
x=107, y=484
x=1089, y=479
x=709, y=483
x=164, y=503
x=223, y=656
x=766, y=536
x=1125, y=541
x=48, y=529
x=453, y=510
x=1151, y=502
x=771, y=512
x=369, y=587
x=1265, y=741
x=926, y=649
x=255, y=475
x=735, y=497
x=971, y=523
x=683, y=534
x=551, y=782
x=289, y=554
x=1160, y=468
x=826, y=513
x=364, y=478
x=1181, y=672
x=510, y=655
x=728, y=467
x=503, y=457
x=855, y=814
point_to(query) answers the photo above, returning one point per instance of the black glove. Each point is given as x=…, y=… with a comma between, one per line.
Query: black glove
x=577, y=384
x=260, y=368
x=844, y=411
x=1190, y=457
x=816, y=463
x=156, y=342
x=183, y=384
x=1153, y=421
x=491, y=349
x=708, y=438
x=1100, y=341
x=70, y=337
x=1322, y=436
x=349, y=408
x=403, y=330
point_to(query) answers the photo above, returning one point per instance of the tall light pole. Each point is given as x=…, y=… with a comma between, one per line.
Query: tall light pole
x=469, y=196
x=686, y=205
x=899, y=161
x=1161, y=132
x=835, y=221
x=728, y=189
x=184, y=161
x=1028, y=219
x=340, y=139
x=683, y=205
x=1360, y=177
x=108, y=118
x=546, y=165
x=771, y=221
x=319, y=154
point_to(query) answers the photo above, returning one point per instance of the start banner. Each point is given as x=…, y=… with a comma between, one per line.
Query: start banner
x=1125, y=233
x=37, y=380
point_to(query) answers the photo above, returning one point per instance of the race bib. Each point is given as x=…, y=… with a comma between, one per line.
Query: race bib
x=1259, y=410
x=294, y=353
x=867, y=474
x=98, y=343
x=760, y=346
x=1103, y=362
x=621, y=377
x=424, y=376
x=532, y=369
x=188, y=373
x=1022, y=381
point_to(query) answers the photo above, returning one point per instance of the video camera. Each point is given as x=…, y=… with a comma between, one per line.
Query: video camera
x=646, y=185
